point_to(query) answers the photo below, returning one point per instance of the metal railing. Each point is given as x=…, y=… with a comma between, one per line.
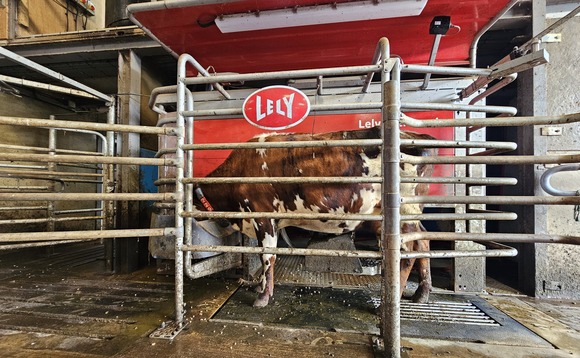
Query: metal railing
x=34, y=166
x=390, y=106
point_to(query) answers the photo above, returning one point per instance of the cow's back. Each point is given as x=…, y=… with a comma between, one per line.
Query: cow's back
x=305, y=162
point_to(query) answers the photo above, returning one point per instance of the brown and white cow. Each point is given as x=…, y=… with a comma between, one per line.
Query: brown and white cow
x=361, y=198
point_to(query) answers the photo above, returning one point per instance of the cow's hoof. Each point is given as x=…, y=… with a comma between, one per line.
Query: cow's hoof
x=421, y=296
x=261, y=301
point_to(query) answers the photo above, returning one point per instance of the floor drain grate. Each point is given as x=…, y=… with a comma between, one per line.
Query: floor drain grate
x=446, y=312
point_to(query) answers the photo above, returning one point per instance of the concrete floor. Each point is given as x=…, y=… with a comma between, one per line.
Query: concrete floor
x=65, y=305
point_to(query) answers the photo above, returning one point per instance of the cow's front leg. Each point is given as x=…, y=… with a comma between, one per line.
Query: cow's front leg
x=266, y=232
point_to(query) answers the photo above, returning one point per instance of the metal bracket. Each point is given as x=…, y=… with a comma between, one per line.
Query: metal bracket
x=551, y=131
x=551, y=38
x=168, y=330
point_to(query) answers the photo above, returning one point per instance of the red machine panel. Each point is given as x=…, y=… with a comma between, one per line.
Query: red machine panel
x=191, y=29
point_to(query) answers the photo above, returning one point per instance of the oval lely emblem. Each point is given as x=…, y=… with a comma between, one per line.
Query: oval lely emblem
x=276, y=107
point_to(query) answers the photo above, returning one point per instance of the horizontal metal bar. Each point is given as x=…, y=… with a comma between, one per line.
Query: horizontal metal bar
x=293, y=144
x=50, y=174
x=22, y=187
x=346, y=216
x=314, y=108
x=445, y=254
x=41, y=149
x=82, y=235
x=17, y=208
x=86, y=196
x=458, y=107
x=503, y=200
x=441, y=70
x=75, y=211
x=336, y=180
x=338, y=71
x=348, y=143
x=461, y=180
x=279, y=180
x=21, y=166
x=501, y=237
x=283, y=251
x=246, y=215
x=46, y=220
x=490, y=122
x=505, y=160
x=52, y=123
x=347, y=253
x=428, y=143
x=85, y=159
x=38, y=244
x=465, y=216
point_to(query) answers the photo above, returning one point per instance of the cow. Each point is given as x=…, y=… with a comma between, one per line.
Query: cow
x=360, y=198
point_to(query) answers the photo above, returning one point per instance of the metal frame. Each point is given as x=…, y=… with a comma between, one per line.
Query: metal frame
x=391, y=106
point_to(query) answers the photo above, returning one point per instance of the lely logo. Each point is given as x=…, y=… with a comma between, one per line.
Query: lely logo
x=276, y=107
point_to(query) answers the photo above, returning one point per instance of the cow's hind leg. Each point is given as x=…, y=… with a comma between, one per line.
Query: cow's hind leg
x=421, y=295
x=424, y=268
x=266, y=232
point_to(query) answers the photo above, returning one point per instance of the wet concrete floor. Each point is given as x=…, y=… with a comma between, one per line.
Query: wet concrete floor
x=66, y=305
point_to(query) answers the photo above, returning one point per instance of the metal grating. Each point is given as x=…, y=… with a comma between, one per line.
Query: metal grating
x=446, y=312
x=290, y=270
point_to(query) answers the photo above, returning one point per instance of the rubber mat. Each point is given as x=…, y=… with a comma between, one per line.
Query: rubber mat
x=448, y=317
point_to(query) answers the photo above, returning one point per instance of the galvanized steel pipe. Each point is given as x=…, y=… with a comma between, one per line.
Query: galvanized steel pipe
x=337, y=71
x=499, y=200
x=85, y=159
x=501, y=237
x=491, y=122
x=340, y=180
x=390, y=324
x=82, y=235
x=505, y=160
x=458, y=107
x=503, y=251
x=86, y=196
x=40, y=122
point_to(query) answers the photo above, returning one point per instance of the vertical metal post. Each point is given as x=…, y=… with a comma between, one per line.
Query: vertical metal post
x=179, y=174
x=188, y=168
x=391, y=202
x=51, y=166
x=109, y=187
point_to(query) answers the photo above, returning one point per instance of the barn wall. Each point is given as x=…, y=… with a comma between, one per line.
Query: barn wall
x=3, y=22
x=558, y=275
x=47, y=17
